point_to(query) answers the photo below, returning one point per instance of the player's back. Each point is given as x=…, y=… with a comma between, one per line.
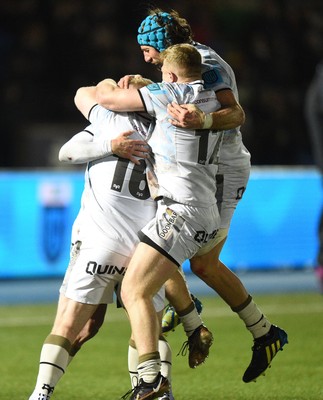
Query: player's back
x=114, y=180
x=118, y=203
x=184, y=158
x=218, y=75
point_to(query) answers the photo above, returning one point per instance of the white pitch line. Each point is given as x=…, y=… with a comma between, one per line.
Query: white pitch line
x=41, y=320
x=209, y=312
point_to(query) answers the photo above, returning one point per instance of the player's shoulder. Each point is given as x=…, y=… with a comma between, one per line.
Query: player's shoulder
x=163, y=91
x=98, y=112
x=210, y=57
x=156, y=87
x=205, y=51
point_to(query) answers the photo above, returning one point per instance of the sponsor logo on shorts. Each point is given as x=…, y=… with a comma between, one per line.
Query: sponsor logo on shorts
x=170, y=217
x=204, y=237
x=94, y=268
x=240, y=192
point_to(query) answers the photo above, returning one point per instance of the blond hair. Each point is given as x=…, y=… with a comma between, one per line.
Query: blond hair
x=185, y=58
x=138, y=81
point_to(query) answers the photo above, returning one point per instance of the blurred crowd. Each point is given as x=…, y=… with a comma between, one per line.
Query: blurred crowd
x=49, y=48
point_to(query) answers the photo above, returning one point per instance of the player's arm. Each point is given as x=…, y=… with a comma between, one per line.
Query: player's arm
x=229, y=116
x=114, y=98
x=122, y=145
x=81, y=148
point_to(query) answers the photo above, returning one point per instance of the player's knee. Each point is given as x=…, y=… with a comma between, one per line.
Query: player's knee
x=93, y=328
x=125, y=296
x=197, y=267
x=98, y=316
x=202, y=266
x=90, y=329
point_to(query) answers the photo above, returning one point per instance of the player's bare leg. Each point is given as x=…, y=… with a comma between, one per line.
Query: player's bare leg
x=140, y=284
x=70, y=318
x=268, y=338
x=90, y=329
x=216, y=275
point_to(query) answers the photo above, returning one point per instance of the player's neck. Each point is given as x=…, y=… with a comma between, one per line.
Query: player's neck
x=189, y=79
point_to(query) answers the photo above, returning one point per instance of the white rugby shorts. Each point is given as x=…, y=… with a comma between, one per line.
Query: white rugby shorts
x=95, y=274
x=231, y=185
x=181, y=230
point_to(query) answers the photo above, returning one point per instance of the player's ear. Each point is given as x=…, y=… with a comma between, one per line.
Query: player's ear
x=172, y=77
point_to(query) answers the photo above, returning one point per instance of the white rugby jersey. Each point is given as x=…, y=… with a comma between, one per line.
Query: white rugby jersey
x=217, y=75
x=117, y=190
x=184, y=159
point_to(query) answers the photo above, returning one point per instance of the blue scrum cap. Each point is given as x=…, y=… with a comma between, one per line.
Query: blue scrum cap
x=150, y=33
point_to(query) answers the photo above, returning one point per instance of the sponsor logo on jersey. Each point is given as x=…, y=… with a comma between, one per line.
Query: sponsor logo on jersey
x=199, y=101
x=93, y=268
x=154, y=87
x=210, y=77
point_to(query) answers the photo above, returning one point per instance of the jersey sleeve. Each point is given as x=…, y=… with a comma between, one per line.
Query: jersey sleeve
x=216, y=73
x=214, y=78
x=81, y=148
x=155, y=98
x=98, y=114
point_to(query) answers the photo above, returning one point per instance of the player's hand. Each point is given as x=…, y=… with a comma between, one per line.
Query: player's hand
x=125, y=81
x=132, y=149
x=186, y=116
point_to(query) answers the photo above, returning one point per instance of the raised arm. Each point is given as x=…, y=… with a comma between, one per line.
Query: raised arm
x=112, y=97
x=88, y=96
x=122, y=145
x=229, y=116
x=85, y=99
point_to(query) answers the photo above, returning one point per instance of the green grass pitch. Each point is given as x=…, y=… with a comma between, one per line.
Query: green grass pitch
x=99, y=370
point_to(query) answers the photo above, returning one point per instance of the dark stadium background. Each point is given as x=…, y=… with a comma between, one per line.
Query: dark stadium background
x=49, y=48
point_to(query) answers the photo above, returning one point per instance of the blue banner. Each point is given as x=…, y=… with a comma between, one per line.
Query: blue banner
x=275, y=224
x=37, y=210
